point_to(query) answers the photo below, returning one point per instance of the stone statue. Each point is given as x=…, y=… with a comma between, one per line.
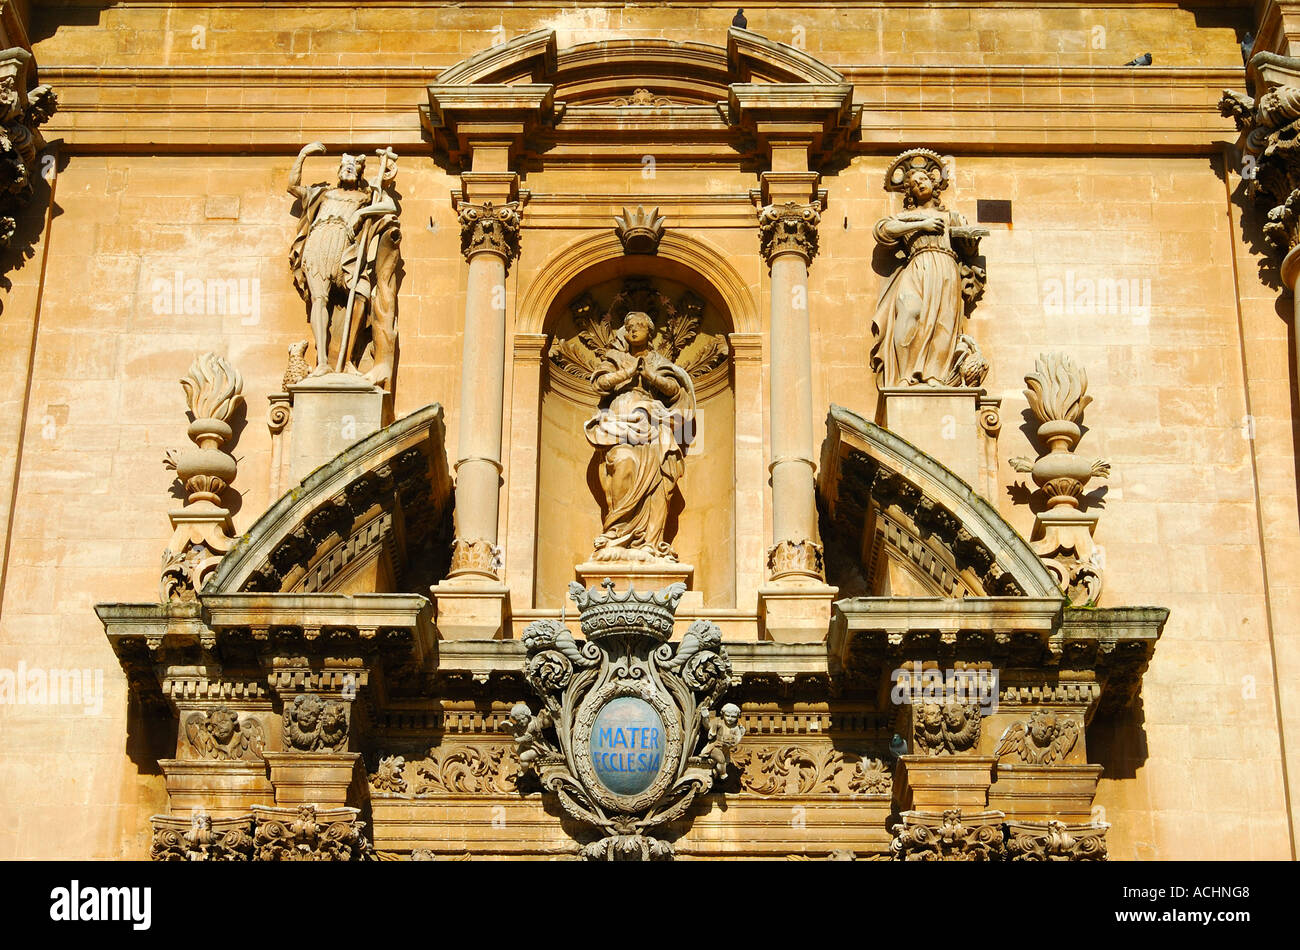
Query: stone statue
x=725, y=734
x=920, y=316
x=640, y=432
x=344, y=260
x=528, y=732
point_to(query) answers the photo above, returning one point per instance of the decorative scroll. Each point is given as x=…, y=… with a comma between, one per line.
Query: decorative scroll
x=800, y=770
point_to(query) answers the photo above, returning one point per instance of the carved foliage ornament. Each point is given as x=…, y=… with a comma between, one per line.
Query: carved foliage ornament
x=220, y=734
x=789, y=228
x=624, y=716
x=924, y=836
x=308, y=833
x=1055, y=841
x=676, y=337
x=799, y=770
x=201, y=838
x=22, y=112
x=491, y=228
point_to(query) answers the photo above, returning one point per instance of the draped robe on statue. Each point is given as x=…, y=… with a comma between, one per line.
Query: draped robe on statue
x=643, y=435
x=919, y=347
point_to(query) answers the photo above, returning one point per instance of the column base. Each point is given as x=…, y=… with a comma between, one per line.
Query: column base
x=795, y=613
x=471, y=608
x=941, y=421
x=326, y=779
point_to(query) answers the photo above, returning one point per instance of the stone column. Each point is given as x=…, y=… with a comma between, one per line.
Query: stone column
x=472, y=601
x=795, y=605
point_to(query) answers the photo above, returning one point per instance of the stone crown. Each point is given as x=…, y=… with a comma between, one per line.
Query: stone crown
x=605, y=612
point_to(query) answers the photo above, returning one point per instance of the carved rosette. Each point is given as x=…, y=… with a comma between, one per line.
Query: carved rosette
x=201, y=838
x=946, y=729
x=490, y=228
x=622, y=739
x=475, y=556
x=1056, y=841
x=789, y=228
x=950, y=836
x=308, y=833
x=24, y=111
x=202, y=532
x=803, y=556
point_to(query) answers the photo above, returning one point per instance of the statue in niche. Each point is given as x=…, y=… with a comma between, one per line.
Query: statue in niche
x=641, y=431
x=344, y=261
x=921, y=314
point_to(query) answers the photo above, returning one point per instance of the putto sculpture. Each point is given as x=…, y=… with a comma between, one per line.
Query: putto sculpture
x=920, y=318
x=344, y=261
x=625, y=738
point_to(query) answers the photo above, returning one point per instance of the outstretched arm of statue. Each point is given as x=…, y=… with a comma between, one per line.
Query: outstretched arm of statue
x=295, y=174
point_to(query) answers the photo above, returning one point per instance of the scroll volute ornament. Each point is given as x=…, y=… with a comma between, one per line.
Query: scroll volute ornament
x=490, y=227
x=201, y=529
x=22, y=112
x=789, y=228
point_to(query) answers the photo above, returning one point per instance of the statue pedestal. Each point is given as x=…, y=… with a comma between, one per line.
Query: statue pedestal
x=798, y=612
x=650, y=576
x=941, y=421
x=330, y=413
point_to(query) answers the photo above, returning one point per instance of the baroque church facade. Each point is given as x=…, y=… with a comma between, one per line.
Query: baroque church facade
x=645, y=432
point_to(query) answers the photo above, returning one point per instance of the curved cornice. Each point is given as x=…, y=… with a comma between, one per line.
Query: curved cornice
x=376, y=494
x=870, y=476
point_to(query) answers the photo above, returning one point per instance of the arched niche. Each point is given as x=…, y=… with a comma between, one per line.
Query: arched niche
x=587, y=261
x=701, y=524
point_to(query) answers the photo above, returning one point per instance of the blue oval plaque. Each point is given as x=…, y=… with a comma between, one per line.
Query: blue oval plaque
x=626, y=743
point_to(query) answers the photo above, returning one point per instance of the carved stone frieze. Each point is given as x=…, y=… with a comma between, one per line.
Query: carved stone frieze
x=1055, y=841
x=1046, y=740
x=201, y=838
x=642, y=97
x=490, y=228
x=788, y=228
x=949, y=836
x=811, y=770
x=313, y=724
x=946, y=729
x=468, y=770
x=220, y=734
x=308, y=833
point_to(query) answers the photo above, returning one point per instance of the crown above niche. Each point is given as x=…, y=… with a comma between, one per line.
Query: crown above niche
x=639, y=231
x=606, y=612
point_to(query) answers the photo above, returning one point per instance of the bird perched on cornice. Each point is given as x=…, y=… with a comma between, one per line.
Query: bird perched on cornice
x=1143, y=60
x=897, y=746
x=739, y=19
x=1247, y=44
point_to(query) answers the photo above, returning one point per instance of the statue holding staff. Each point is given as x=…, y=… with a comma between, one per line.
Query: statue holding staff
x=344, y=261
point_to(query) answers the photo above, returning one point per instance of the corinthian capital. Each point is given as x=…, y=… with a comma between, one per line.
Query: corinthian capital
x=490, y=228
x=789, y=227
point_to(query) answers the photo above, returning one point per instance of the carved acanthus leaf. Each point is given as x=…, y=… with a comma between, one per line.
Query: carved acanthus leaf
x=799, y=770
